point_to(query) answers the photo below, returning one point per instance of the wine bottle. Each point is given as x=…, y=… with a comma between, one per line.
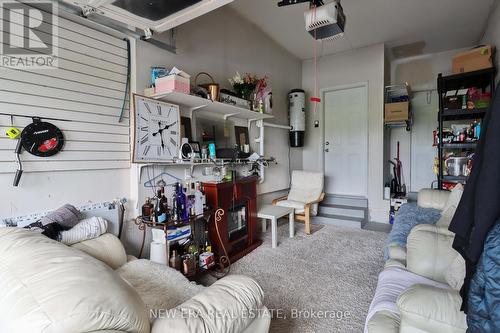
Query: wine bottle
x=160, y=214
x=164, y=202
x=208, y=245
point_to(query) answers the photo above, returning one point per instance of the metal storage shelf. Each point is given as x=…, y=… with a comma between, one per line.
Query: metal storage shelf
x=479, y=79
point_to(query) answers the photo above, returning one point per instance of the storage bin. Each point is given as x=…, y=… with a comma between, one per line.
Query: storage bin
x=173, y=83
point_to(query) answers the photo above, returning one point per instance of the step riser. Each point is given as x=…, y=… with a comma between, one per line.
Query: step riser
x=342, y=211
x=336, y=222
x=344, y=201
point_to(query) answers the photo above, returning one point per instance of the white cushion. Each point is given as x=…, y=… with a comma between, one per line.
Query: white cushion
x=306, y=186
x=224, y=307
x=107, y=248
x=454, y=198
x=429, y=198
x=46, y=286
x=429, y=251
x=455, y=274
x=430, y=309
x=297, y=205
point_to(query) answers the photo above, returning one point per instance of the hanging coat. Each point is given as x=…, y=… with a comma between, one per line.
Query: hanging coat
x=479, y=207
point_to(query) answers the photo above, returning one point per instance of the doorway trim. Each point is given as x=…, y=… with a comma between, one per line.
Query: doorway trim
x=323, y=92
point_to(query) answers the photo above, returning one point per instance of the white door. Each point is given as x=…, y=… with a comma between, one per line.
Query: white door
x=346, y=141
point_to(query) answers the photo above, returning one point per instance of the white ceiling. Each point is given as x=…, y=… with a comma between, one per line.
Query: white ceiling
x=419, y=26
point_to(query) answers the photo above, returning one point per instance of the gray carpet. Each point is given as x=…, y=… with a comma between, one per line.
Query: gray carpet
x=333, y=270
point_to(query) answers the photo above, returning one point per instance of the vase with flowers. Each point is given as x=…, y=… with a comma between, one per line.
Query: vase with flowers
x=244, y=86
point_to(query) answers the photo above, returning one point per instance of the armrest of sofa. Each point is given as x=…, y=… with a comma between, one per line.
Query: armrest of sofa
x=429, y=198
x=397, y=253
x=106, y=248
x=430, y=309
x=229, y=305
x=429, y=251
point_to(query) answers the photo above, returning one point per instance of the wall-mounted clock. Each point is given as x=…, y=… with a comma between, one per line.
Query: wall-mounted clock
x=157, y=130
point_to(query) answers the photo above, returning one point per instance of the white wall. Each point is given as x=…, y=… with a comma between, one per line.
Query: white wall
x=492, y=33
x=416, y=150
x=234, y=44
x=360, y=65
x=221, y=43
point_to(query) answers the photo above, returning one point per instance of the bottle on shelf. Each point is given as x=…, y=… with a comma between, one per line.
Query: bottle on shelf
x=199, y=199
x=164, y=202
x=174, y=212
x=147, y=209
x=182, y=212
x=175, y=261
x=160, y=213
x=207, y=247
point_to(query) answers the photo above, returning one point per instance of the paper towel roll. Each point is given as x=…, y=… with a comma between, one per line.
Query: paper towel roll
x=158, y=253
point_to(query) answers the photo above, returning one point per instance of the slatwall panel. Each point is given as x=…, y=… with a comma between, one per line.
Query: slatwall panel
x=85, y=92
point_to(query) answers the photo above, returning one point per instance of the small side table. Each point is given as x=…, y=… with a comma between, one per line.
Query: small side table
x=273, y=213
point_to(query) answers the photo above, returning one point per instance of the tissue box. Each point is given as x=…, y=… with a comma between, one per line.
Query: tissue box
x=171, y=83
x=207, y=260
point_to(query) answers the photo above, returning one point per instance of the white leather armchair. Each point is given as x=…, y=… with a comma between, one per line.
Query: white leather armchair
x=46, y=286
x=425, y=308
x=427, y=198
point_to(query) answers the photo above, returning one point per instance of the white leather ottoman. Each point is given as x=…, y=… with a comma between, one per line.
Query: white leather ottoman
x=273, y=213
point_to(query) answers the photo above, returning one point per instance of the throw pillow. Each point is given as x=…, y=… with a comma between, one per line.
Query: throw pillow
x=86, y=229
x=455, y=274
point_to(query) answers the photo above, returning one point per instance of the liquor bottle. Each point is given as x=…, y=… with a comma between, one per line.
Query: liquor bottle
x=160, y=213
x=208, y=246
x=164, y=202
x=175, y=261
x=147, y=209
x=175, y=215
x=199, y=198
x=182, y=212
x=204, y=197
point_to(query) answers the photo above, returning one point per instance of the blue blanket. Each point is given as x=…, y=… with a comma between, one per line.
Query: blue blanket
x=408, y=216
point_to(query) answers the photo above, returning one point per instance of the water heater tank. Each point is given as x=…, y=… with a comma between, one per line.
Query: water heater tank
x=297, y=105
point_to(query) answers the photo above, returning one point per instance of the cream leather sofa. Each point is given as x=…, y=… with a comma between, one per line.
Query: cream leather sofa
x=48, y=287
x=428, y=253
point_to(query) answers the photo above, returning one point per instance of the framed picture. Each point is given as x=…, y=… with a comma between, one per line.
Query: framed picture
x=186, y=128
x=242, y=137
x=196, y=148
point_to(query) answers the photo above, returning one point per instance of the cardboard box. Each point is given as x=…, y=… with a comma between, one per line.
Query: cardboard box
x=473, y=60
x=173, y=82
x=395, y=112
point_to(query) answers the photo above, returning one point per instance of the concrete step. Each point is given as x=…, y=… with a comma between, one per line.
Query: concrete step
x=351, y=211
x=339, y=220
x=331, y=199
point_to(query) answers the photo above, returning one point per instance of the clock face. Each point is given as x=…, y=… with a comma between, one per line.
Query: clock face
x=157, y=130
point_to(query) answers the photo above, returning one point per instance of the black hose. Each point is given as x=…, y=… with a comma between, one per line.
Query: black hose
x=128, y=80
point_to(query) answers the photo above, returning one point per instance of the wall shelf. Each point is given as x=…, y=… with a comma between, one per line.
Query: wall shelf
x=203, y=105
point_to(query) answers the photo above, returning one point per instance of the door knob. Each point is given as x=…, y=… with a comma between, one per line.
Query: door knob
x=327, y=143
x=327, y=150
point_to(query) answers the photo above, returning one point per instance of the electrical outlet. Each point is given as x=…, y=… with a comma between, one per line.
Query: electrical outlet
x=316, y=123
